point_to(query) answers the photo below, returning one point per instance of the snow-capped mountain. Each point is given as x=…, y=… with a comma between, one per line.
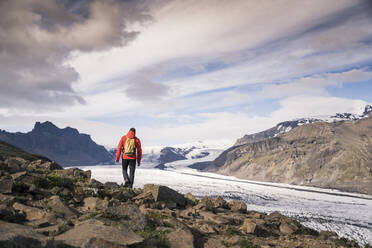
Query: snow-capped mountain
x=287, y=126
x=159, y=155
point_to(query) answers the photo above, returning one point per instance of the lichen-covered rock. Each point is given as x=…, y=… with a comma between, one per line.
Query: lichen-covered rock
x=181, y=238
x=94, y=204
x=9, y=214
x=190, y=198
x=33, y=213
x=20, y=236
x=165, y=194
x=83, y=232
x=238, y=206
x=111, y=185
x=6, y=184
x=58, y=206
x=288, y=228
x=248, y=226
x=219, y=202
x=130, y=214
x=206, y=203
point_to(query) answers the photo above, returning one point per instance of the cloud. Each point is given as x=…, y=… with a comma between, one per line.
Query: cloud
x=315, y=85
x=144, y=86
x=37, y=37
x=308, y=106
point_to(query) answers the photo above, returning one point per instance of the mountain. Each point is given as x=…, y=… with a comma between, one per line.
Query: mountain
x=157, y=156
x=287, y=126
x=331, y=155
x=65, y=146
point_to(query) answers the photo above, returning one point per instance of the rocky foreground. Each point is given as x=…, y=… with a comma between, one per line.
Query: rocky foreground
x=44, y=205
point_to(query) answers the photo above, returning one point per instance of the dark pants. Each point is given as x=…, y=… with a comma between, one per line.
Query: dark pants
x=132, y=167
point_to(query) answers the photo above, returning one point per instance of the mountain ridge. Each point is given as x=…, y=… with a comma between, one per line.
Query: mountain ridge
x=66, y=146
x=330, y=155
x=287, y=126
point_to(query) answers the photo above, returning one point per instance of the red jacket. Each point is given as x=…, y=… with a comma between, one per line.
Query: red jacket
x=121, y=147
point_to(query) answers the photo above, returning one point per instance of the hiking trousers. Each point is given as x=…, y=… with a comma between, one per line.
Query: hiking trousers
x=131, y=163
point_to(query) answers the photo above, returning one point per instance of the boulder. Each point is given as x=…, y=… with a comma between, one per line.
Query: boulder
x=20, y=236
x=16, y=164
x=248, y=226
x=111, y=185
x=58, y=206
x=189, y=213
x=288, y=228
x=181, y=238
x=9, y=214
x=84, y=232
x=190, y=197
x=39, y=164
x=74, y=173
x=33, y=213
x=219, y=202
x=121, y=194
x=238, y=206
x=100, y=243
x=6, y=199
x=129, y=214
x=6, y=185
x=205, y=203
x=19, y=175
x=94, y=204
x=165, y=194
x=221, y=242
x=144, y=198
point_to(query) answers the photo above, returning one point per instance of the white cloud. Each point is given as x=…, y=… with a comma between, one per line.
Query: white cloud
x=315, y=85
x=310, y=106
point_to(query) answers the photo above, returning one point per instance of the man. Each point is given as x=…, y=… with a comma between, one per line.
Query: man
x=130, y=145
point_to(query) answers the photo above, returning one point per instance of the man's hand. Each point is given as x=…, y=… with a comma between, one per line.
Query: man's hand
x=139, y=164
x=117, y=161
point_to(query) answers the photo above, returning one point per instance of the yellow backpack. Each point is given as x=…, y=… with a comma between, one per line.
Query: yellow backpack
x=130, y=147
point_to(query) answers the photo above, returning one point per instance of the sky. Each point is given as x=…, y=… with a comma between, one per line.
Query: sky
x=184, y=70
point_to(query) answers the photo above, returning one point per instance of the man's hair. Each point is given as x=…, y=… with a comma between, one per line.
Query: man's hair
x=132, y=129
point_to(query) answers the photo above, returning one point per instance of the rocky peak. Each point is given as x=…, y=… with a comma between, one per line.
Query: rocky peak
x=49, y=127
x=45, y=127
x=367, y=110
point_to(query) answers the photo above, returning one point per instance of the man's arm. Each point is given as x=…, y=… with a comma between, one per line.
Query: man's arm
x=139, y=152
x=118, y=150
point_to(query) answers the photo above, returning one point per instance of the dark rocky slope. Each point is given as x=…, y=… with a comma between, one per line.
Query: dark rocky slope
x=44, y=205
x=65, y=146
x=331, y=155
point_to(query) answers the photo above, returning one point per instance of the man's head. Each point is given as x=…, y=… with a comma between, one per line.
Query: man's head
x=133, y=129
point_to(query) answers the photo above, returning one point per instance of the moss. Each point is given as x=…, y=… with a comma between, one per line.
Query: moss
x=61, y=229
x=245, y=243
x=232, y=231
x=103, y=193
x=20, y=187
x=347, y=243
x=224, y=243
x=115, y=217
x=150, y=233
x=155, y=216
x=53, y=180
